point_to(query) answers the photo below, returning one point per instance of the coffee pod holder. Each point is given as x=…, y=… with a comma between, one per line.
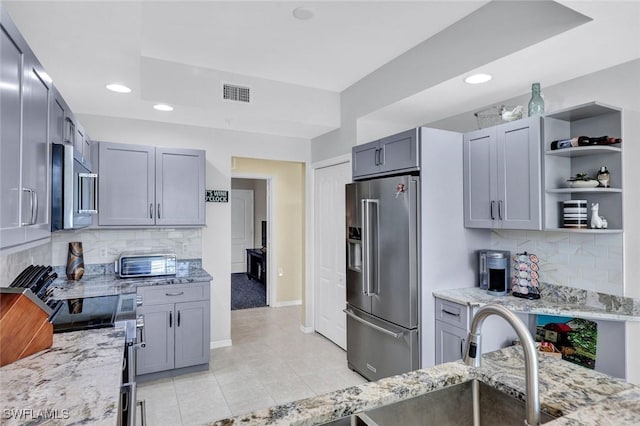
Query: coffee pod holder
x=525, y=279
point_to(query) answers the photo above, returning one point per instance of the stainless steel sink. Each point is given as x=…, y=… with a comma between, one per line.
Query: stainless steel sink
x=452, y=405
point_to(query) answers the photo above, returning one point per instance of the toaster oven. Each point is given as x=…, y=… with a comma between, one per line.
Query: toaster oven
x=145, y=264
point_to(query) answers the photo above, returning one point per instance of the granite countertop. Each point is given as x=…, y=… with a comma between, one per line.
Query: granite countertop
x=580, y=395
x=101, y=280
x=555, y=300
x=75, y=381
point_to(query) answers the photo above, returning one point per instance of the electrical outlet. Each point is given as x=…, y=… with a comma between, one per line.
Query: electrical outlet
x=184, y=248
x=103, y=252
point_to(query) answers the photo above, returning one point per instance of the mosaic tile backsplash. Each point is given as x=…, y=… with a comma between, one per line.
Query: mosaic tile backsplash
x=585, y=261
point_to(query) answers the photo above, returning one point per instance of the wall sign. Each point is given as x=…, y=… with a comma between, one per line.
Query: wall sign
x=215, y=196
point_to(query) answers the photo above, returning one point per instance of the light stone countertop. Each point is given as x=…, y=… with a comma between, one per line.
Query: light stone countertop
x=100, y=281
x=76, y=381
x=556, y=300
x=580, y=395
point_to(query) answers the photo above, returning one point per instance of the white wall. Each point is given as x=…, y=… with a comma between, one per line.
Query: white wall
x=220, y=146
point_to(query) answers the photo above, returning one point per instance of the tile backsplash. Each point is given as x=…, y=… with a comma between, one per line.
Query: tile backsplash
x=11, y=265
x=586, y=261
x=105, y=245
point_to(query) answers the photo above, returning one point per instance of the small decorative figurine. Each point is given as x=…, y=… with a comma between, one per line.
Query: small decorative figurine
x=596, y=221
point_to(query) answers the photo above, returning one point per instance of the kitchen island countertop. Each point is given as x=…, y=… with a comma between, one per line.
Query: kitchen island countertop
x=580, y=395
x=76, y=381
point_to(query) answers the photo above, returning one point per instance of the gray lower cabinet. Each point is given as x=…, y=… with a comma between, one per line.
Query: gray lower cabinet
x=502, y=176
x=24, y=151
x=145, y=185
x=388, y=155
x=451, y=342
x=453, y=321
x=176, y=327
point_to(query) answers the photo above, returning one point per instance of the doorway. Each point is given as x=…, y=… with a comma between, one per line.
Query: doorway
x=248, y=243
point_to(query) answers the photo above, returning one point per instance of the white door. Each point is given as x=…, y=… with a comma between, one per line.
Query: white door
x=330, y=269
x=241, y=228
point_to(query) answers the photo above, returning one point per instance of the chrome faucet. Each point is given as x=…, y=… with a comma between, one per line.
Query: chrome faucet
x=474, y=354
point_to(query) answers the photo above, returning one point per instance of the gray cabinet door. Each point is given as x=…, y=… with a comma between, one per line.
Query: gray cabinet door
x=126, y=184
x=180, y=192
x=450, y=342
x=192, y=333
x=365, y=159
x=159, y=325
x=519, y=179
x=480, y=178
x=399, y=152
x=11, y=75
x=57, y=113
x=35, y=151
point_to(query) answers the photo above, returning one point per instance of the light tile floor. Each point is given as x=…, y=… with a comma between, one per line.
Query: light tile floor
x=271, y=362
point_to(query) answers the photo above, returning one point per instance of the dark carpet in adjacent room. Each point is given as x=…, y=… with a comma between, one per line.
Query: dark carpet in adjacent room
x=246, y=293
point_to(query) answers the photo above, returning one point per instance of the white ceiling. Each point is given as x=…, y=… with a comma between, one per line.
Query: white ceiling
x=180, y=51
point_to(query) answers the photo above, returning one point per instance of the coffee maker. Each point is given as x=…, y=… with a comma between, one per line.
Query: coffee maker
x=494, y=271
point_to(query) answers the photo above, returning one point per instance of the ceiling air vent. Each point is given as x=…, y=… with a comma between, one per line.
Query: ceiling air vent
x=231, y=92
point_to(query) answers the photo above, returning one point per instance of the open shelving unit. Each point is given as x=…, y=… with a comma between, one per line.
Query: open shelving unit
x=591, y=119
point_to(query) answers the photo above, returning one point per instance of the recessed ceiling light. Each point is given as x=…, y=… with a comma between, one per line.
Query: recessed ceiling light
x=303, y=13
x=477, y=78
x=119, y=88
x=163, y=107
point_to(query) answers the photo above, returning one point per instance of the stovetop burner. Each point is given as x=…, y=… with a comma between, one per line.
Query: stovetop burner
x=85, y=313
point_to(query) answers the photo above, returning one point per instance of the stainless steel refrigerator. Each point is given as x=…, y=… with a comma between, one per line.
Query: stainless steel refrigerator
x=383, y=245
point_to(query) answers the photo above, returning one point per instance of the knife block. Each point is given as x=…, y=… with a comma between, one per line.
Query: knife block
x=24, y=327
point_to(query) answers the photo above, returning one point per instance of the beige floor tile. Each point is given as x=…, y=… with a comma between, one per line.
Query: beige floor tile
x=283, y=391
x=271, y=362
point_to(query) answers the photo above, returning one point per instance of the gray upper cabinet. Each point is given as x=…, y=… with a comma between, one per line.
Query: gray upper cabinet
x=502, y=176
x=126, y=184
x=144, y=185
x=24, y=151
x=393, y=154
x=180, y=178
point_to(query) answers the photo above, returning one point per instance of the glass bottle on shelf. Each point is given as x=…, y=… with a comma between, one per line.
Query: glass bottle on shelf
x=536, y=103
x=604, y=177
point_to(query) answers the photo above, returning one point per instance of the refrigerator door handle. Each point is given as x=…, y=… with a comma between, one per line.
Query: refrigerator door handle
x=374, y=326
x=367, y=249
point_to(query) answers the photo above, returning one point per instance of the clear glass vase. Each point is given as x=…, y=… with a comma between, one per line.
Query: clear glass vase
x=536, y=103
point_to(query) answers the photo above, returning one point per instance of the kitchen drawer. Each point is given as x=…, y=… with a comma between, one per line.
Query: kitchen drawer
x=173, y=293
x=452, y=313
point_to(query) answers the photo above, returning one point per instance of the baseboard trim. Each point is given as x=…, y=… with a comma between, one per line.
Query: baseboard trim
x=286, y=303
x=306, y=330
x=220, y=344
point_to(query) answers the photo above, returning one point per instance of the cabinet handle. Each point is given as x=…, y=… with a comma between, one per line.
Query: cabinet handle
x=462, y=348
x=381, y=156
x=450, y=313
x=178, y=318
x=34, y=207
x=376, y=156
x=150, y=210
x=175, y=293
x=170, y=319
x=500, y=209
x=158, y=210
x=30, y=221
x=491, y=209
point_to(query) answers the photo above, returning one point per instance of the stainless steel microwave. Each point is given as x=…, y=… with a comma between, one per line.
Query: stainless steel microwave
x=74, y=189
x=145, y=264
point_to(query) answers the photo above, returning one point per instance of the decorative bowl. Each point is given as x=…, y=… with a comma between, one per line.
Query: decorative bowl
x=583, y=183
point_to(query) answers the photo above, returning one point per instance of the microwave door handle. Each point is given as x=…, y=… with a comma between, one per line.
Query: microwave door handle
x=94, y=206
x=81, y=206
